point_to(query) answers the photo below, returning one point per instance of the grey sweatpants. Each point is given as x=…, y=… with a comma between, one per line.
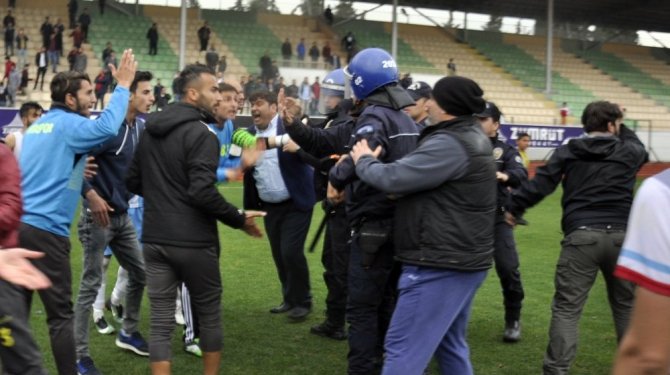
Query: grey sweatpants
x=167, y=267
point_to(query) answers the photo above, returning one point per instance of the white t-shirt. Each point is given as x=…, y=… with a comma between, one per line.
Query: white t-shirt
x=645, y=255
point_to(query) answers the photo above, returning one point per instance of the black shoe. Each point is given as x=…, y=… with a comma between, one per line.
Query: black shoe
x=328, y=330
x=284, y=307
x=512, y=332
x=298, y=313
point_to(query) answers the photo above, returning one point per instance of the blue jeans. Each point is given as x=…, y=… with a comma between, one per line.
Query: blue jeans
x=53, y=57
x=431, y=316
x=121, y=236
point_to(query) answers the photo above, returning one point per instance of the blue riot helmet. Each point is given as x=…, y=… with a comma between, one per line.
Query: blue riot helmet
x=332, y=92
x=369, y=70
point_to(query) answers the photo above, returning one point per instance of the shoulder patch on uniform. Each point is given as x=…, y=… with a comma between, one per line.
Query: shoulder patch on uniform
x=518, y=159
x=497, y=153
x=365, y=129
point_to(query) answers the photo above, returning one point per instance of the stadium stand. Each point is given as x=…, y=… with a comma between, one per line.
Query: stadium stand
x=296, y=27
x=526, y=68
x=377, y=34
x=586, y=76
x=519, y=103
x=244, y=36
x=30, y=18
x=168, y=19
x=628, y=74
x=130, y=32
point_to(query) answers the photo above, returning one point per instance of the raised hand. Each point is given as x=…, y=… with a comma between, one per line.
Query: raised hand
x=125, y=73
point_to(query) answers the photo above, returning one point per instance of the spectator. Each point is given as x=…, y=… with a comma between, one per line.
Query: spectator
x=326, y=53
x=211, y=58
x=9, y=40
x=300, y=50
x=286, y=50
x=52, y=53
x=337, y=64
x=101, y=4
x=85, y=21
x=3, y=94
x=265, y=63
x=25, y=78
x=152, y=35
x=219, y=77
x=29, y=113
x=77, y=37
x=314, y=53
x=157, y=88
x=45, y=30
x=349, y=45
x=564, y=112
x=22, y=47
x=8, y=19
x=9, y=65
x=279, y=85
x=328, y=15
x=72, y=57
x=162, y=99
x=223, y=65
x=108, y=50
x=59, y=28
x=13, y=84
x=101, y=82
x=204, y=33
x=72, y=7
x=80, y=61
x=522, y=143
x=406, y=81
x=111, y=60
x=316, y=95
x=305, y=95
x=451, y=67
x=419, y=91
x=292, y=90
x=274, y=70
x=41, y=62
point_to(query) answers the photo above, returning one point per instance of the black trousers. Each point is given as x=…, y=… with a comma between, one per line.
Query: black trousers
x=335, y=260
x=370, y=304
x=287, y=228
x=40, y=72
x=507, y=267
x=18, y=351
x=203, y=44
x=57, y=300
x=153, y=48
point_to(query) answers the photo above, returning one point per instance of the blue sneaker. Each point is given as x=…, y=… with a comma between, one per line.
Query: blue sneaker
x=134, y=342
x=85, y=366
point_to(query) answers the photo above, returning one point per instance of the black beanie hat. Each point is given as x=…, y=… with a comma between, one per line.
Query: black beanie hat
x=459, y=96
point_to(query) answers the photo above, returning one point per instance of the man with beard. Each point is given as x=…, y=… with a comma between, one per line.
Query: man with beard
x=52, y=164
x=105, y=221
x=174, y=169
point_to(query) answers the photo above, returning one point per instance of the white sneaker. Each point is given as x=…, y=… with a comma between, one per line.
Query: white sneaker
x=193, y=348
x=102, y=326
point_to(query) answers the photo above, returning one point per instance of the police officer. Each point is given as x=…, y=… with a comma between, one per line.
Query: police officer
x=420, y=92
x=510, y=173
x=378, y=102
x=326, y=141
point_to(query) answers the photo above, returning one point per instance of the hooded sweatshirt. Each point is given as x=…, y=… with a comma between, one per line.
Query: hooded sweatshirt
x=597, y=174
x=174, y=169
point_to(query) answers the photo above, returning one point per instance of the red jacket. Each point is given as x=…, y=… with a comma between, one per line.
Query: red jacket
x=11, y=207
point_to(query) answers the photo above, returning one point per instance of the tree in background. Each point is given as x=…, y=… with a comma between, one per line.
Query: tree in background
x=345, y=9
x=263, y=6
x=312, y=7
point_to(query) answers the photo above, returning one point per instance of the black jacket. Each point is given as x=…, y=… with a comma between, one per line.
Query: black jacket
x=597, y=175
x=174, y=169
x=507, y=161
x=322, y=142
x=451, y=226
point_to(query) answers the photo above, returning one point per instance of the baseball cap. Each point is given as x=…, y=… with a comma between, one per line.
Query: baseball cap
x=418, y=90
x=491, y=110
